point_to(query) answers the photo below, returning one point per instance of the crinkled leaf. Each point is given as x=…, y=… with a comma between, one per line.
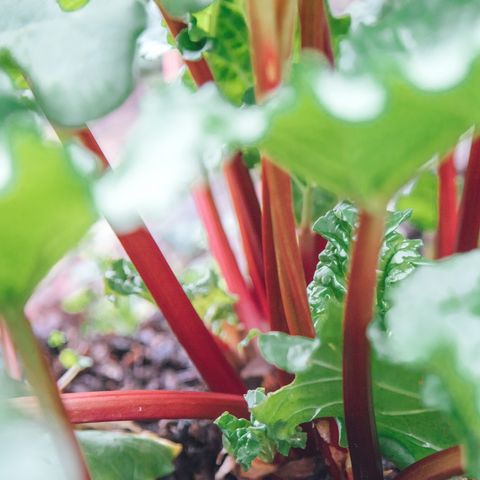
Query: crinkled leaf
x=230, y=60
x=45, y=209
x=406, y=87
x=78, y=63
x=119, y=456
x=246, y=440
x=176, y=131
x=434, y=326
x=180, y=8
x=407, y=430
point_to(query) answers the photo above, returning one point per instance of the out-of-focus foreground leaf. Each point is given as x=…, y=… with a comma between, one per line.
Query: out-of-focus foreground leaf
x=434, y=326
x=407, y=430
x=119, y=456
x=177, y=134
x=45, y=208
x=180, y=8
x=405, y=88
x=79, y=63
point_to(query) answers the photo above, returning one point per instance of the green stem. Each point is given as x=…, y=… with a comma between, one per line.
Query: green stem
x=438, y=466
x=357, y=382
x=307, y=207
x=45, y=388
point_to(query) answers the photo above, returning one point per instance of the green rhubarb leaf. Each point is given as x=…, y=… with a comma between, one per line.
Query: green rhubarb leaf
x=119, y=456
x=407, y=429
x=406, y=87
x=79, y=63
x=230, y=60
x=434, y=326
x=180, y=8
x=322, y=200
x=246, y=440
x=287, y=352
x=45, y=208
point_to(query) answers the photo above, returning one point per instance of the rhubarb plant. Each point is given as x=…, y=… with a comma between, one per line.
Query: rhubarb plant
x=355, y=107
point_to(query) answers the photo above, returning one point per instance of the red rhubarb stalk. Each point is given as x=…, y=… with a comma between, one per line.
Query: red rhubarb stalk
x=289, y=262
x=174, y=304
x=222, y=251
x=314, y=35
x=249, y=215
x=357, y=382
x=142, y=405
x=271, y=33
x=314, y=30
x=438, y=466
x=447, y=208
x=179, y=312
x=277, y=318
x=469, y=213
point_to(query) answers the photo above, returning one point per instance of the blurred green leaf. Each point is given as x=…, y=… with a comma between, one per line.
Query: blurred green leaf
x=407, y=430
x=45, y=209
x=79, y=64
x=230, y=61
x=180, y=8
x=423, y=200
x=193, y=41
x=190, y=130
x=119, y=456
x=322, y=200
x=209, y=298
x=290, y=353
x=68, y=358
x=122, y=278
x=405, y=88
x=57, y=339
x=72, y=5
x=434, y=326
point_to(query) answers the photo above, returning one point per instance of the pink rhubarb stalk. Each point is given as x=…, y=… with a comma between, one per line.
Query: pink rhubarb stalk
x=143, y=405
x=246, y=308
x=249, y=215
